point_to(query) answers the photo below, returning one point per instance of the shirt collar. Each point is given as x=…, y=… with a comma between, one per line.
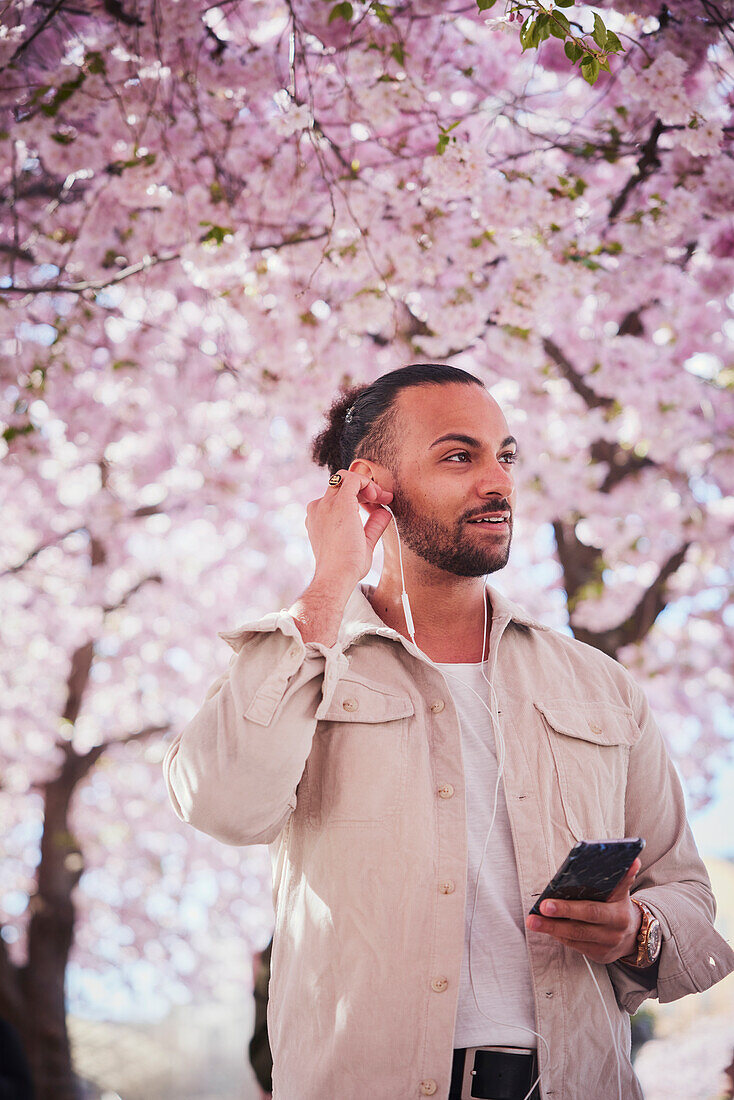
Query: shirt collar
x=360, y=618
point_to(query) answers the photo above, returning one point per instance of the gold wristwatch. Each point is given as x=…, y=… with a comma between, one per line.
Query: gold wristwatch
x=649, y=939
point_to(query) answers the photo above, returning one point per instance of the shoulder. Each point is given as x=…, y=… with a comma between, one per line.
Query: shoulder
x=586, y=664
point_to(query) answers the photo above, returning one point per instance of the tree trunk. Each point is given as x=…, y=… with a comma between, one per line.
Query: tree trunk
x=50, y=935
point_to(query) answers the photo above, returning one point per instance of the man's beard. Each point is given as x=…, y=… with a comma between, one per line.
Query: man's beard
x=453, y=548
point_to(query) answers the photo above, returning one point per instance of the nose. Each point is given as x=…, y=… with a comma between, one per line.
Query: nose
x=496, y=479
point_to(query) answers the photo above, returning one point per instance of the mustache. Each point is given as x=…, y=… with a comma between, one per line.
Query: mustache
x=495, y=505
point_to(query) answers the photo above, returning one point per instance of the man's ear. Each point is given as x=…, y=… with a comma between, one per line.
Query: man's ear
x=379, y=474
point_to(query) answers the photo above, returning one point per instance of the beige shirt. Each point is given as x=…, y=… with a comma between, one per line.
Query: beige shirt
x=346, y=761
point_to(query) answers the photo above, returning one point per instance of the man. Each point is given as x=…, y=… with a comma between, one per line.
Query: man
x=369, y=766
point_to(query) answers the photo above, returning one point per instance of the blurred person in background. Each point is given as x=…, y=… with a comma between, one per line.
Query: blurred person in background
x=15, y=1074
x=258, y=1049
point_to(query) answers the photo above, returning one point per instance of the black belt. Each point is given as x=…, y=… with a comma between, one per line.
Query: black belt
x=494, y=1073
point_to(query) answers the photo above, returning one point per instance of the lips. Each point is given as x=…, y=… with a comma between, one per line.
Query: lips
x=491, y=519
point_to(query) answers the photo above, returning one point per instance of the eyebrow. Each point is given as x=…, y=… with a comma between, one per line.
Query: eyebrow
x=470, y=440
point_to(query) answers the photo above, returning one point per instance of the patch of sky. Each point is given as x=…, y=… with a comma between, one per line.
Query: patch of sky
x=38, y=334
x=704, y=491
x=712, y=826
x=179, y=660
x=102, y=995
x=109, y=297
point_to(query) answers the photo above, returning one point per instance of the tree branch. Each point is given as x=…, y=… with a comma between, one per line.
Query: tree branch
x=37, y=550
x=592, y=399
x=143, y=265
x=39, y=30
x=93, y=284
x=636, y=626
x=648, y=162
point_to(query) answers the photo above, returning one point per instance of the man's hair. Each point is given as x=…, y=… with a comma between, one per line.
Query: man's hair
x=361, y=420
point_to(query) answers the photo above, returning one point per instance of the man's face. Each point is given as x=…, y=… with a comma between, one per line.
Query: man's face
x=454, y=478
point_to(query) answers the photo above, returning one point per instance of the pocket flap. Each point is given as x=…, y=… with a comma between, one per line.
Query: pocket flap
x=600, y=723
x=358, y=700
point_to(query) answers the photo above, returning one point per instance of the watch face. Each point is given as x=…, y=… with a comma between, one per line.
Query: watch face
x=653, y=940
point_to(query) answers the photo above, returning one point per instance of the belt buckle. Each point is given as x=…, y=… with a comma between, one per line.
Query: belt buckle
x=466, y=1080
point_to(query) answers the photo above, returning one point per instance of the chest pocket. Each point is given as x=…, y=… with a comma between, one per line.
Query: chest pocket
x=357, y=769
x=590, y=745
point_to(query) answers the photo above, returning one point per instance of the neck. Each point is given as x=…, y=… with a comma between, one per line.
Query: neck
x=448, y=611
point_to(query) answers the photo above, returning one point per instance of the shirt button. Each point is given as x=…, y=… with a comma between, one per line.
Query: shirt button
x=438, y=706
x=439, y=984
x=594, y=727
x=293, y=651
x=428, y=1087
x=447, y=887
x=446, y=790
x=350, y=704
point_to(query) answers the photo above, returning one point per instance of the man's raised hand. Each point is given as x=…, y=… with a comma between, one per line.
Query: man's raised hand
x=342, y=546
x=343, y=549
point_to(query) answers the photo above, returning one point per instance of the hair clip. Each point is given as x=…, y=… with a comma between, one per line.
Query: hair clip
x=350, y=413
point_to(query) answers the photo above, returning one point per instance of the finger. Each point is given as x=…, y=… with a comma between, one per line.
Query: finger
x=573, y=931
x=351, y=483
x=622, y=889
x=374, y=494
x=590, y=912
x=376, y=525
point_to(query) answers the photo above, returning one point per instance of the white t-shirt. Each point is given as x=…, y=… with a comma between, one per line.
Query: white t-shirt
x=500, y=969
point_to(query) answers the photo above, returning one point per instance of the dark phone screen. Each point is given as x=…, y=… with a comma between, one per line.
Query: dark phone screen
x=591, y=870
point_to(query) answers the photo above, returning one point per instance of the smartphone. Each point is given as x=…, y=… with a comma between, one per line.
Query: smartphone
x=591, y=870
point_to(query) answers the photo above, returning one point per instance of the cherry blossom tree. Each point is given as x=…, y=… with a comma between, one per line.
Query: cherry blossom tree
x=213, y=216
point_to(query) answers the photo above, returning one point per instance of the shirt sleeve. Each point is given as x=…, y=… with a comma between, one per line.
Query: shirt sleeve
x=673, y=881
x=232, y=772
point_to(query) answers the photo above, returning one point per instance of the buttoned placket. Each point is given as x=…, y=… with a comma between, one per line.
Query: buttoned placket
x=446, y=922
x=440, y=983
x=524, y=817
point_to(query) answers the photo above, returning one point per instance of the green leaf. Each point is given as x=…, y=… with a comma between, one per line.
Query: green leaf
x=613, y=44
x=573, y=51
x=604, y=63
x=94, y=62
x=485, y=5
x=599, y=33
x=10, y=433
x=344, y=11
x=559, y=25
x=397, y=52
x=589, y=68
x=441, y=144
x=565, y=3
x=216, y=233
x=542, y=31
x=381, y=12
x=63, y=93
x=527, y=34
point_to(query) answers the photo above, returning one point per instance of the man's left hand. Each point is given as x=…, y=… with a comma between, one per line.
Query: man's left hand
x=603, y=930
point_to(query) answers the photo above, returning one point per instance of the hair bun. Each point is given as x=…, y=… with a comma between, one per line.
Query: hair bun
x=326, y=447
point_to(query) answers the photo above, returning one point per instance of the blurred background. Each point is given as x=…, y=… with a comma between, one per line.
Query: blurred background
x=211, y=218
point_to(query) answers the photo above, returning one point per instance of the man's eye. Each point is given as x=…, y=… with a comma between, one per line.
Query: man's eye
x=457, y=455
x=511, y=456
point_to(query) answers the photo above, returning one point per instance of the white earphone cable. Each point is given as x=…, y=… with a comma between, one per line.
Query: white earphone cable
x=500, y=767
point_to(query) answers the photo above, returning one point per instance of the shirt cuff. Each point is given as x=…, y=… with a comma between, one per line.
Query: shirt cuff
x=270, y=693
